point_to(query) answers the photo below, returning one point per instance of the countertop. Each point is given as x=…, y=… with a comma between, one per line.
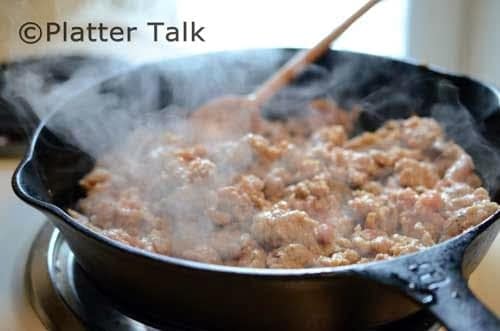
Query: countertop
x=20, y=223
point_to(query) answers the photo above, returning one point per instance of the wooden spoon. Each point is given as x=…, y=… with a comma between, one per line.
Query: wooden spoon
x=229, y=115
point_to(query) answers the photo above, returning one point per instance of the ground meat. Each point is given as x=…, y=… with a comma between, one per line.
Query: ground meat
x=466, y=217
x=280, y=226
x=122, y=236
x=414, y=173
x=325, y=234
x=275, y=183
x=263, y=148
x=250, y=253
x=370, y=242
x=312, y=196
x=349, y=256
x=252, y=257
x=420, y=133
x=237, y=205
x=200, y=170
x=462, y=170
x=295, y=194
x=160, y=241
x=191, y=153
x=98, y=176
x=330, y=136
x=202, y=253
x=228, y=243
x=404, y=245
x=290, y=256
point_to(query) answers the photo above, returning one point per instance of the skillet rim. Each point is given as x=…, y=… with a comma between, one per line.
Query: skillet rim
x=347, y=270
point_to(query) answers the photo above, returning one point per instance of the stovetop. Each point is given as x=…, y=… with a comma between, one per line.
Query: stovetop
x=65, y=299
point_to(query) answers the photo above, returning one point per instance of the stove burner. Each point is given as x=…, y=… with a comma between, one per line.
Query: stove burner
x=65, y=299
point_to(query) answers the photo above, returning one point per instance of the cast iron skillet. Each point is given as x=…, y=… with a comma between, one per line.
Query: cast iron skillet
x=159, y=289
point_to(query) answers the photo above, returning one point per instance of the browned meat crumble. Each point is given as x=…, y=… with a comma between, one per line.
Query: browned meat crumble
x=297, y=194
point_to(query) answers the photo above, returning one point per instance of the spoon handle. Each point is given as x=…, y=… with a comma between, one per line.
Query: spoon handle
x=298, y=62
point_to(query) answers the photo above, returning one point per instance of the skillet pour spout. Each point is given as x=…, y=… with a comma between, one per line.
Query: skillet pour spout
x=158, y=290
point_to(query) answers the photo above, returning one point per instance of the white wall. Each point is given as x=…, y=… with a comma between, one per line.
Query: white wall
x=460, y=35
x=483, y=47
x=436, y=32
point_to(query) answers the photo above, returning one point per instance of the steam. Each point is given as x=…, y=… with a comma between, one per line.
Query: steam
x=112, y=105
x=86, y=93
x=460, y=126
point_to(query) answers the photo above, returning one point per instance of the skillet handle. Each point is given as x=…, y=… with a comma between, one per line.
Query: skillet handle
x=458, y=309
x=435, y=279
x=453, y=302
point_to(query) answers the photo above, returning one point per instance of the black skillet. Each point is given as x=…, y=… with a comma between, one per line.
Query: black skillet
x=158, y=289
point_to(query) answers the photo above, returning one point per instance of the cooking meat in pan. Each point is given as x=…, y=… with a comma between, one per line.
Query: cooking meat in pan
x=296, y=194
